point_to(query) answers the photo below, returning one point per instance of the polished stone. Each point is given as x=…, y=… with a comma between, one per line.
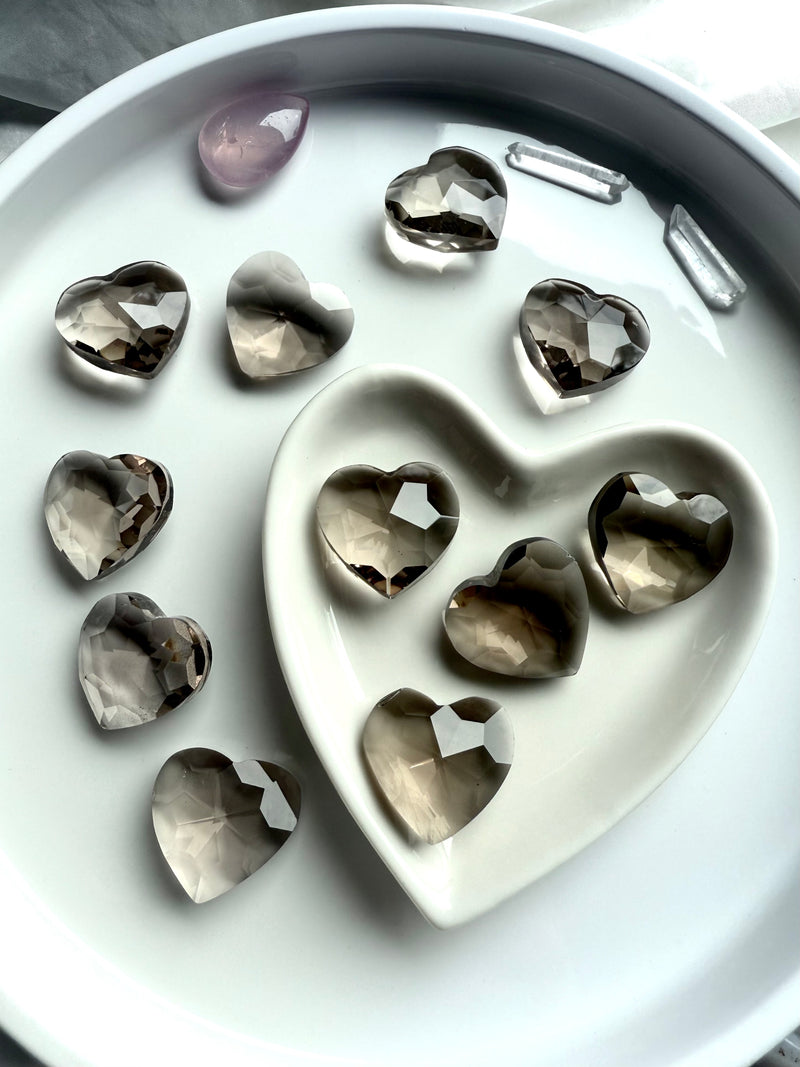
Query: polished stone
x=701, y=261
x=279, y=322
x=130, y=321
x=436, y=766
x=217, y=822
x=656, y=547
x=528, y=618
x=252, y=138
x=101, y=512
x=579, y=341
x=456, y=202
x=135, y=664
x=388, y=528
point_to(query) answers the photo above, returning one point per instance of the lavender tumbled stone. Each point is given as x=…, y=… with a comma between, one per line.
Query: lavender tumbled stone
x=250, y=139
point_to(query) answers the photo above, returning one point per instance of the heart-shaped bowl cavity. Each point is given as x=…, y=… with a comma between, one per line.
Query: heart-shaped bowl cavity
x=589, y=748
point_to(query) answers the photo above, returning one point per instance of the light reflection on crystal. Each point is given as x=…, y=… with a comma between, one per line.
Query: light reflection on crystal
x=279, y=322
x=656, y=547
x=578, y=340
x=701, y=261
x=529, y=618
x=564, y=168
x=217, y=822
x=135, y=664
x=456, y=202
x=388, y=528
x=102, y=511
x=252, y=138
x=437, y=767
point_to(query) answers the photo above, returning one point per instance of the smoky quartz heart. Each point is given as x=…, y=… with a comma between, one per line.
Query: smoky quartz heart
x=456, y=202
x=529, y=618
x=252, y=138
x=579, y=341
x=437, y=766
x=135, y=664
x=389, y=528
x=279, y=322
x=217, y=822
x=656, y=547
x=129, y=322
x=101, y=512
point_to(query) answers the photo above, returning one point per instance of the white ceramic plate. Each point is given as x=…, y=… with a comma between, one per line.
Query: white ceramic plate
x=671, y=940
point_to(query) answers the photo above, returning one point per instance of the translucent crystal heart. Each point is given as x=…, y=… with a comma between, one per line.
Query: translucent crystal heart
x=654, y=546
x=456, y=202
x=437, y=766
x=528, y=618
x=136, y=664
x=389, y=528
x=279, y=322
x=130, y=321
x=217, y=821
x=248, y=140
x=579, y=341
x=101, y=512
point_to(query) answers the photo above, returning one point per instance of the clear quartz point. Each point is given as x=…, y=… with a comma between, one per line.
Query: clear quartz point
x=456, y=202
x=564, y=168
x=701, y=261
x=529, y=618
x=135, y=664
x=388, y=528
x=217, y=822
x=101, y=512
x=279, y=322
x=656, y=547
x=437, y=767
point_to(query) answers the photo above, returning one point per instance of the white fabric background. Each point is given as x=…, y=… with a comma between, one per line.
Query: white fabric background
x=52, y=52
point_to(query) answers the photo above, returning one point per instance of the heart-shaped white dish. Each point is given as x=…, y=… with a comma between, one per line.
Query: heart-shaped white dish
x=588, y=748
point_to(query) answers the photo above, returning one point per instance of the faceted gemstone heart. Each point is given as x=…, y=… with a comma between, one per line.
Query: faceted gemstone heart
x=102, y=512
x=581, y=342
x=654, y=546
x=217, y=821
x=456, y=202
x=135, y=664
x=389, y=528
x=437, y=766
x=248, y=140
x=129, y=322
x=279, y=322
x=528, y=618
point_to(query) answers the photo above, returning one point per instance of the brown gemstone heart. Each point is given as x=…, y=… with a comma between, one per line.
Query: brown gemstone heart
x=101, y=512
x=279, y=322
x=389, y=528
x=135, y=664
x=579, y=341
x=129, y=322
x=456, y=202
x=528, y=618
x=437, y=766
x=654, y=546
x=217, y=821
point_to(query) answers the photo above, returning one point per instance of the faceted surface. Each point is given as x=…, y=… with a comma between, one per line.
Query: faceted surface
x=135, y=664
x=656, y=547
x=218, y=821
x=702, y=262
x=389, y=528
x=129, y=322
x=564, y=168
x=456, y=202
x=102, y=512
x=579, y=341
x=279, y=322
x=248, y=140
x=528, y=618
x=437, y=766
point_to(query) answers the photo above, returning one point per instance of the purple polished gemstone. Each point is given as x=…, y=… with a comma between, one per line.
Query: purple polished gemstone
x=248, y=140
